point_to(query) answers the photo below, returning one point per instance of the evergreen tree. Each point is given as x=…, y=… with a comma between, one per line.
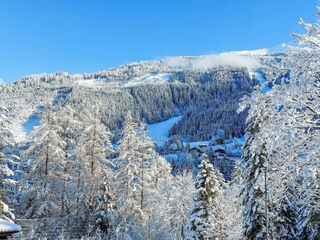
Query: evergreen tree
x=106, y=213
x=161, y=172
x=172, y=200
x=232, y=205
x=128, y=177
x=92, y=167
x=287, y=139
x=6, y=140
x=146, y=154
x=135, y=174
x=159, y=186
x=205, y=213
x=45, y=167
x=255, y=162
x=69, y=132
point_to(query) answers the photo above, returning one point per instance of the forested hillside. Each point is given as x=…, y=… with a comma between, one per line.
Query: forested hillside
x=151, y=90
x=240, y=161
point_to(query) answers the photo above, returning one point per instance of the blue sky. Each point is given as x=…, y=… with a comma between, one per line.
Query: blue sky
x=79, y=36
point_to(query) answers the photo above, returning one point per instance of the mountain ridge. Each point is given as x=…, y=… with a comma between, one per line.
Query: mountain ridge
x=153, y=90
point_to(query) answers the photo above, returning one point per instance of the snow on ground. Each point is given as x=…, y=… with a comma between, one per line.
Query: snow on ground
x=232, y=146
x=159, y=134
x=159, y=131
x=89, y=82
x=6, y=226
x=149, y=79
x=197, y=144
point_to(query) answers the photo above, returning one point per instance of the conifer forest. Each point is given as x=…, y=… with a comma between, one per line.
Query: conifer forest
x=181, y=148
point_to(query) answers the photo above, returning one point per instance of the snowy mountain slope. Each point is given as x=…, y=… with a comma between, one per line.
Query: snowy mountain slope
x=89, y=82
x=149, y=79
x=152, y=90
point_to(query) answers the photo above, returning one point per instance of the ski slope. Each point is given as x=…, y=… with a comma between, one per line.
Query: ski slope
x=159, y=131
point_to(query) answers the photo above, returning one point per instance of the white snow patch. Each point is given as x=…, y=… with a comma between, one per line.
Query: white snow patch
x=89, y=82
x=159, y=131
x=19, y=133
x=149, y=79
x=6, y=226
x=197, y=144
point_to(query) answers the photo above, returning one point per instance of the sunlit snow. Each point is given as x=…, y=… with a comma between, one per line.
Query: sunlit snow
x=88, y=82
x=159, y=131
x=6, y=226
x=149, y=79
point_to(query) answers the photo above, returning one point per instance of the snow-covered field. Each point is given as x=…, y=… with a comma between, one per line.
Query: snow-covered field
x=159, y=131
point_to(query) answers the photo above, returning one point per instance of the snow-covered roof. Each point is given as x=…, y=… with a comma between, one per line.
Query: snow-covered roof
x=8, y=227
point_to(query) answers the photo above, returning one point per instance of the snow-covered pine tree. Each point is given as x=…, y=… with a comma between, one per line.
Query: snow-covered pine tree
x=183, y=190
x=92, y=167
x=70, y=131
x=255, y=161
x=304, y=107
x=172, y=201
x=291, y=136
x=146, y=154
x=217, y=226
x=232, y=205
x=160, y=180
x=106, y=212
x=128, y=176
x=188, y=162
x=6, y=140
x=161, y=172
x=45, y=163
x=269, y=162
x=135, y=174
x=205, y=221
